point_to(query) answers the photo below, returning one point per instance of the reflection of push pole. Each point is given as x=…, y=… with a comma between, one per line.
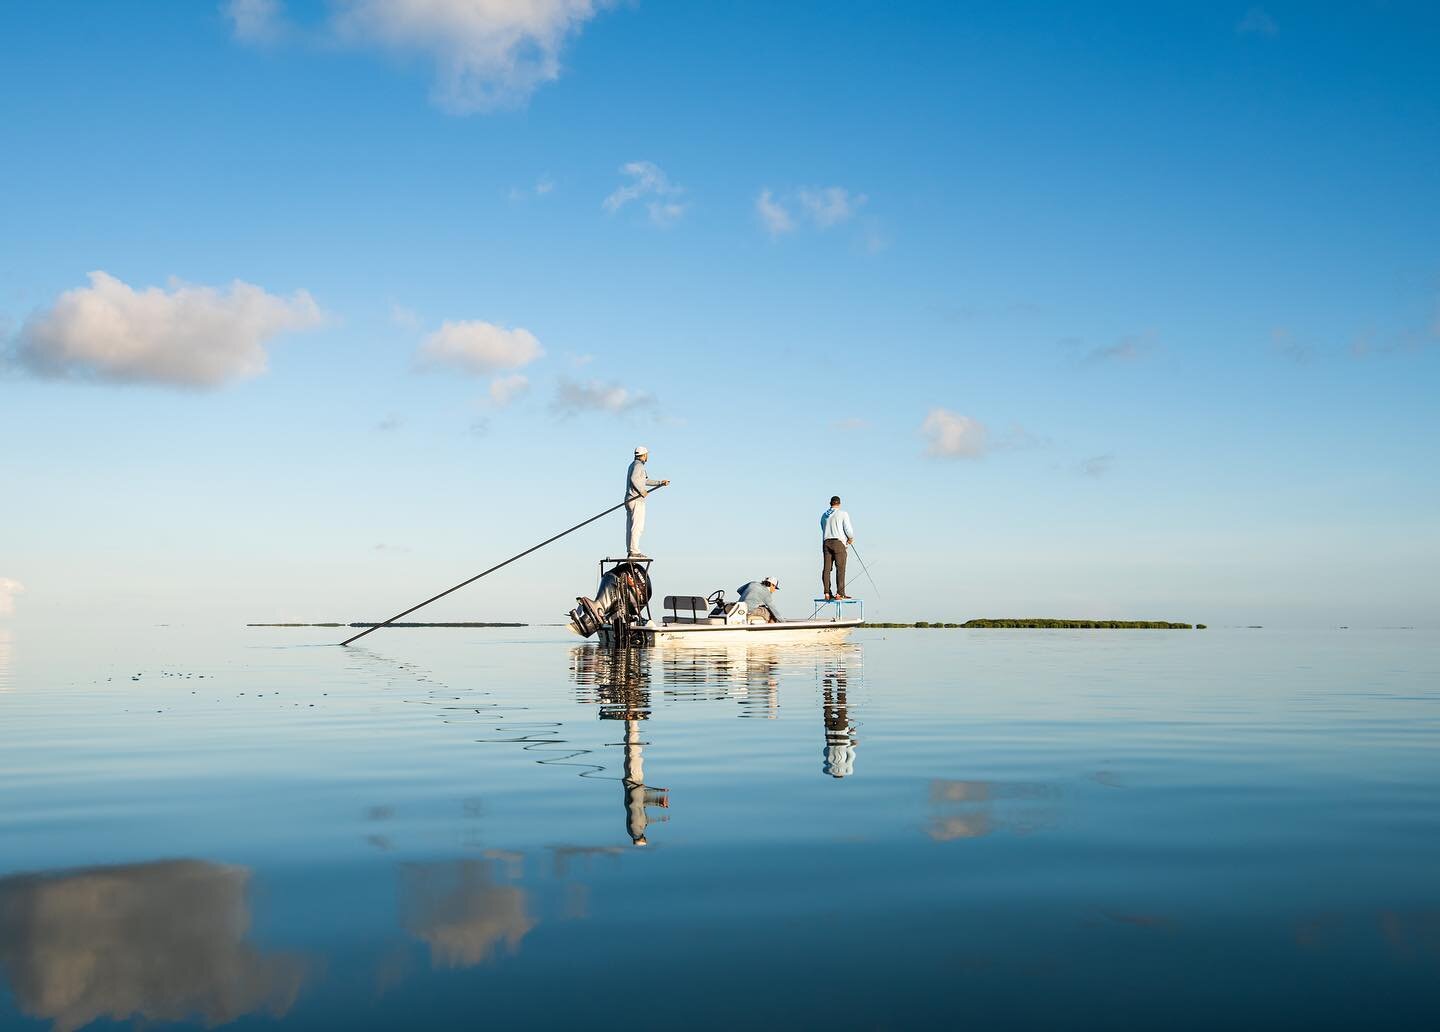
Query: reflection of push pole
x=492, y=569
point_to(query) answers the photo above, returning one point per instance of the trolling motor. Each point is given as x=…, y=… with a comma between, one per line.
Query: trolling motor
x=622, y=599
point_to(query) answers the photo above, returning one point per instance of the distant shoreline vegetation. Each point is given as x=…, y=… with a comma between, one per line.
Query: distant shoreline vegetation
x=1047, y=624
x=377, y=623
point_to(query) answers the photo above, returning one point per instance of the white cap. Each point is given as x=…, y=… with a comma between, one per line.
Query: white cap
x=640, y=450
x=774, y=582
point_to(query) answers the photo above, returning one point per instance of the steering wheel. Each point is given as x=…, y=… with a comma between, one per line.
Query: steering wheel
x=717, y=599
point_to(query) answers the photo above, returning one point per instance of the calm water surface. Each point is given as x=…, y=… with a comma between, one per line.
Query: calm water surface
x=447, y=827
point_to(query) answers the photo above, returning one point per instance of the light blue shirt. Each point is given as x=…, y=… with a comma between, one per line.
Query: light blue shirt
x=756, y=594
x=835, y=523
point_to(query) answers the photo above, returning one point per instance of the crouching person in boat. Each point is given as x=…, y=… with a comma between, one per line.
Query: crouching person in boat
x=759, y=597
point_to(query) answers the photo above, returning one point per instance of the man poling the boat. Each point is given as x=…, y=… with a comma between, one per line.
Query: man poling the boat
x=637, y=486
x=759, y=595
x=836, y=533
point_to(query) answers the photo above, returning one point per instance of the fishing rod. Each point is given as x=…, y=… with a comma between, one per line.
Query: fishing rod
x=867, y=571
x=492, y=569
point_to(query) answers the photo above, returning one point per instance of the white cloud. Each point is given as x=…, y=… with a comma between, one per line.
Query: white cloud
x=953, y=436
x=1097, y=466
x=646, y=177
x=505, y=389
x=572, y=398
x=830, y=205
x=648, y=182
x=773, y=214
x=851, y=423
x=187, y=336
x=821, y=207
x=9, y=588
x=541, y=188
x=487, y=54
x=254, y=21
x=663, y=213
x=1257, y=22
x=479, y=348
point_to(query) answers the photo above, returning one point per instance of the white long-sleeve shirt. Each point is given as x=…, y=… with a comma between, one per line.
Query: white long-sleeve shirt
x=637, y=485
x=835, y=523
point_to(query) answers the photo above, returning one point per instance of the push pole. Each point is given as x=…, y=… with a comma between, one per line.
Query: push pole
x=492, y=569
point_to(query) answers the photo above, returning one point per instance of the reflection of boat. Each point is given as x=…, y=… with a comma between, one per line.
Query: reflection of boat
x=620, y=614
x=622, y=688
x=748, y=674
x=619, y=683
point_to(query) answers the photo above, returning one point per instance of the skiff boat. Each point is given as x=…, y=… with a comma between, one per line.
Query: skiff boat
x=620, y=615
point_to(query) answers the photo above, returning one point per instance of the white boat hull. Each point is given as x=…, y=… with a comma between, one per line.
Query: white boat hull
x=807, y=632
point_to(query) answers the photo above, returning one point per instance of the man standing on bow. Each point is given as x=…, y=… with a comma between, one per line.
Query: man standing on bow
x=835, y=534
x=637, y=486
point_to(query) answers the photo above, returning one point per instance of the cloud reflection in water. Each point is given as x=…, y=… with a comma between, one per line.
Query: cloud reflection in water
x=462, y=913
x=968, y=809
x=161, y=941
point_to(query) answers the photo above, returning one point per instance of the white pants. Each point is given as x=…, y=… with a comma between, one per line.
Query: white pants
x=634, y=524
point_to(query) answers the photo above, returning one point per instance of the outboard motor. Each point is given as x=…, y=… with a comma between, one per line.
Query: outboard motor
x=586, y=619
x=622, y=596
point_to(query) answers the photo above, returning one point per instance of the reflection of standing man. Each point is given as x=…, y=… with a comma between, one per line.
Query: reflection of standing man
x=638, y=795
x=637, y=486
x=839, y=734
x=835, y=534
x=633, y=782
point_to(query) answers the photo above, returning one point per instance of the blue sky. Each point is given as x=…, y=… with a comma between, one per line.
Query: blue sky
x=1162, y=282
